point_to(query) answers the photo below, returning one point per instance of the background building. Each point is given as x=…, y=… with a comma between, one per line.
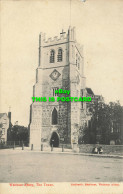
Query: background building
x=4, y=125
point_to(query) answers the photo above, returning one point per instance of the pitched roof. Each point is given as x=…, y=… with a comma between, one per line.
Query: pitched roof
x=1, y=114
x=89, y=91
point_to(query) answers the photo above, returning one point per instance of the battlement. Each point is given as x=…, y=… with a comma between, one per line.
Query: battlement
x=56, y=38
x=64, y=37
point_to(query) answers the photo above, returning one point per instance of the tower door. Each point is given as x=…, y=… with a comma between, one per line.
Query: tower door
x=54, y=140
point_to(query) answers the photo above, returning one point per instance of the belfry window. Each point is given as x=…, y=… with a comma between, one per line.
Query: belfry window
x=59, y=56
x=82, y=101
x=54, y=117
x=52, y=56
x=76, y=60
x=54, y=89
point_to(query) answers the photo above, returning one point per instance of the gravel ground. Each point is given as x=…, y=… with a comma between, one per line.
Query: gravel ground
x=27, y=166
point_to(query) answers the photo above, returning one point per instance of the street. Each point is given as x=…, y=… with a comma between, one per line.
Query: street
x=31, y=166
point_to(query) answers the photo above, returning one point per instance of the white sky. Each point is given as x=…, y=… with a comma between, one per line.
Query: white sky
x=99, y=28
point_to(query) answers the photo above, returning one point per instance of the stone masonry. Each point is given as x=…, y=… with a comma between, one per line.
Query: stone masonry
x=60, y=66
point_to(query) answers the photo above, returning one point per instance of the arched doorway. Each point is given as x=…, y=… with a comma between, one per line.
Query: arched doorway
x=54, y=140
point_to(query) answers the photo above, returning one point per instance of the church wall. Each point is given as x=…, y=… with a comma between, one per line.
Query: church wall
x=47, y=127
x=63, y=120
x=35, y=125
x=70, y=78
x=54, y=44
x=47, y=108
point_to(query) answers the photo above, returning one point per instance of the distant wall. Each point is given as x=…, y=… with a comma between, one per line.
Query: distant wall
x=107, y=149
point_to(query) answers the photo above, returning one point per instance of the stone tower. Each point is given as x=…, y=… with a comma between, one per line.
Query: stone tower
x=60, y=67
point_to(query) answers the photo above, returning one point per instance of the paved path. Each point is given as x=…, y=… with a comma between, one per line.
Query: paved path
x=27, y=166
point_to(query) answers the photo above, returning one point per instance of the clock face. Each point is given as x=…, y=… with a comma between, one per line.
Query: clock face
x=55, y=75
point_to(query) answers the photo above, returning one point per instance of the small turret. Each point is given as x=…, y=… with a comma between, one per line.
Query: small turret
x=72, y=33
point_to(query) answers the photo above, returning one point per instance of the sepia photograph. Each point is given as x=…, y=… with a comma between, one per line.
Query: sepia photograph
x=61, y=104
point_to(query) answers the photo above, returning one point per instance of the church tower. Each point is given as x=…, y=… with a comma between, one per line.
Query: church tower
x=61, y=66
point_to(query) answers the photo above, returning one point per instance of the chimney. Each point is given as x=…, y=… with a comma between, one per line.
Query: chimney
x=9, y=116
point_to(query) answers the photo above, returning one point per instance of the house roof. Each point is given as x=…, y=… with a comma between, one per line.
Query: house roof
x=1, y=114
x=89, y=91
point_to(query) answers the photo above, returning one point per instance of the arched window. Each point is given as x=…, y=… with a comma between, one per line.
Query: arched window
x=59, y=56
x=72, y=51
x=54, y=89
x=54, y=117
x=52, y=56
x=76, y=60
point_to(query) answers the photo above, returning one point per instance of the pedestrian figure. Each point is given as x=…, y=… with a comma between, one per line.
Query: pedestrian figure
x=52, y=142
x=100, y=150
x=95, y=150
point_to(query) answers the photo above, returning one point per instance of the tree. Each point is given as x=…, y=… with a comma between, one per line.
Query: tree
x=1, y=125
x=17, y=133
x=106, y=123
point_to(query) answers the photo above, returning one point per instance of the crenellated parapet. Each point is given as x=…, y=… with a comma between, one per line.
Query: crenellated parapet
x=64, y=37
x=55, y=40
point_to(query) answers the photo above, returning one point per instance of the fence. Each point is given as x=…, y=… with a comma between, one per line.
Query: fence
x=12, y=144
x=107, y=149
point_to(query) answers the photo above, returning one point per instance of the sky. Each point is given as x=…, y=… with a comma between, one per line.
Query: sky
x=98, y=28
